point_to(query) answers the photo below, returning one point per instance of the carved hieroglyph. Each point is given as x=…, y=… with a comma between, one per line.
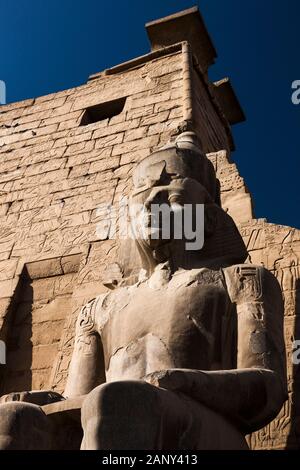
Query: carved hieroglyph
x=192, y=355
x=277, y=248
x=56, y=168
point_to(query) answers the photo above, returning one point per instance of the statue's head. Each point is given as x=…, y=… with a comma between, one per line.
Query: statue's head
x=177, y=176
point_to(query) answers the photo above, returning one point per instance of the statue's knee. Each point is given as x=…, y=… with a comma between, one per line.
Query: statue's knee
x=114, y=416
x=23, y=426
x=121, y=398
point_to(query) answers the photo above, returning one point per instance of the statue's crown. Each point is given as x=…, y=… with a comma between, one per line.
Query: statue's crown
x=182, y=158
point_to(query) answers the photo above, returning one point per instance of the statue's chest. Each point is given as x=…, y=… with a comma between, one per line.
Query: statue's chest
x=190, y=302
x=181, y=323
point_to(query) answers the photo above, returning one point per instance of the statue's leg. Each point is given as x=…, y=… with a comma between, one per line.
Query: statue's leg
x=125, y=415
x=23, y=426
x=134, y=415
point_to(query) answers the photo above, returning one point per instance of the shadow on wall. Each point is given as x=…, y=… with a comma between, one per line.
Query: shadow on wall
x=17, y=375
x=293, y=441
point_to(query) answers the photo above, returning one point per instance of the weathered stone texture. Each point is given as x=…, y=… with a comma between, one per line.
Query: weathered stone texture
x=235, y=197
x=209, y=126
x=33, y=327
x=278, y=249
x=55, y=173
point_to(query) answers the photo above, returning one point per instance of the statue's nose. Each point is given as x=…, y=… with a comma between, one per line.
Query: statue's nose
x=175, y=198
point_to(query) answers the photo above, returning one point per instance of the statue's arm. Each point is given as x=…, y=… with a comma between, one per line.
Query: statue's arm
x=253, y=394
x=86, y=369
x=260, y=340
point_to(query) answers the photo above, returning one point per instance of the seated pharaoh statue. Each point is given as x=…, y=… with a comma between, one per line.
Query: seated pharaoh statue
x=191, y=356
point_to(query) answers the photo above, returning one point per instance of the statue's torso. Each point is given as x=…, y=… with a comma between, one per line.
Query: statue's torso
x=185, y=322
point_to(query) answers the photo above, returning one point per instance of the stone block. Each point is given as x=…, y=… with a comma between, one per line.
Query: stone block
x=8, y=269
x=44, y=269
x=166, y=105
x=43, y=357
x=103, y=165
x=126, y=147
x=158, y=98
x=135, y=134
x=70, y=264
x=116, y=128
x=81, y=158
x=53, y=310
x=8, y=287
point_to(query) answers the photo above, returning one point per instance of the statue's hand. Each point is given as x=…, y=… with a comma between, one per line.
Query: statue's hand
x=172, y=379
x=39, y=397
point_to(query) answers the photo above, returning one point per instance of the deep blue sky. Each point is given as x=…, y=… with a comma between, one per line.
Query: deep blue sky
x=50, y=45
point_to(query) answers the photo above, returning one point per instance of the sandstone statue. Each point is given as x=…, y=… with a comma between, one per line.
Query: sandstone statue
x=191, y=356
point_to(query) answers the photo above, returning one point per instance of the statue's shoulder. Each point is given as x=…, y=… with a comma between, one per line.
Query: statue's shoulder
x=248, y=282
x=105, y=305
x=208, y=276
x=197, y=277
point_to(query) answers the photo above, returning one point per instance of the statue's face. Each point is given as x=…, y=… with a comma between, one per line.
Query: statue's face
x=153, y=209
